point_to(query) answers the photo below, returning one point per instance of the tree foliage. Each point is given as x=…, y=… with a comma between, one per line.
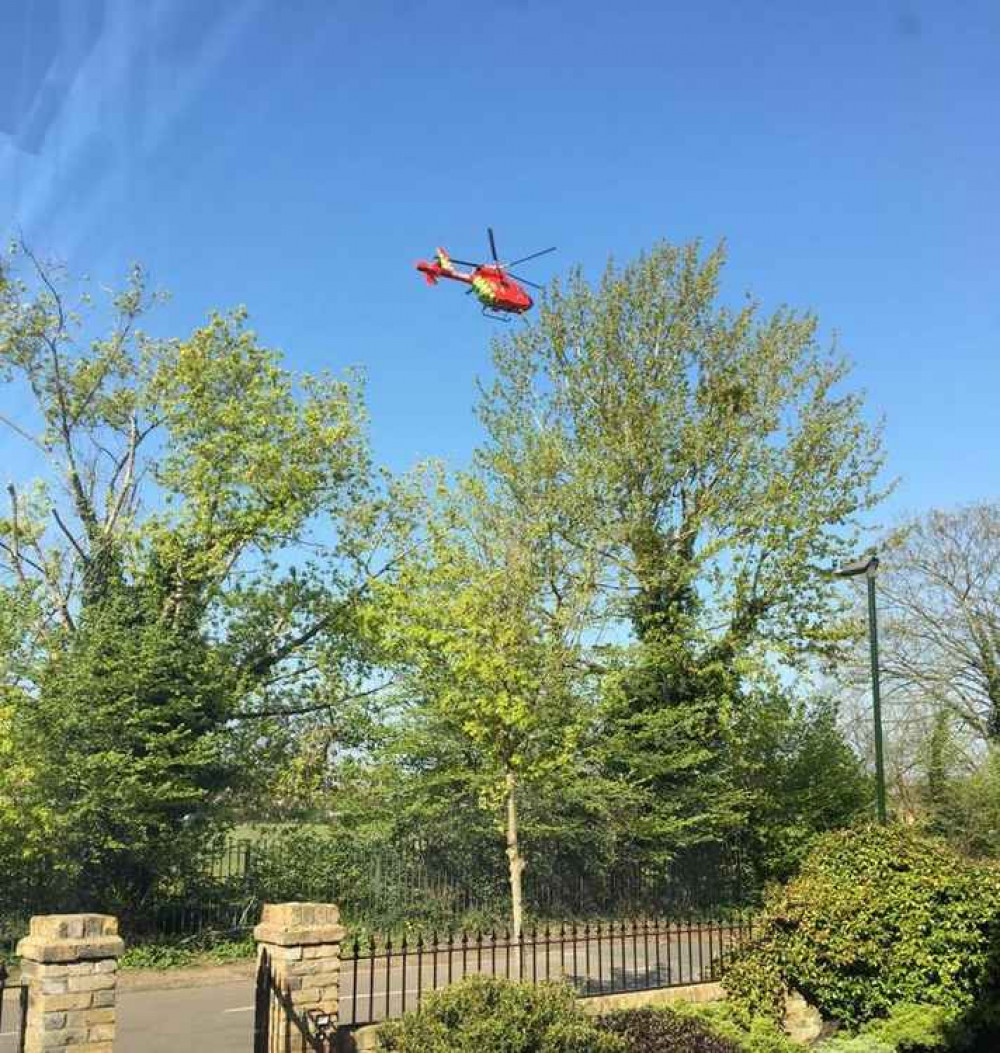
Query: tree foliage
x=487, y=625
x=211, y=600
x=799, y=775
x=147, y=594
x=712, y=454
x=709, y=464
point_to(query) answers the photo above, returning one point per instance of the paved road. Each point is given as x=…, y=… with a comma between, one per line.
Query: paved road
x=217, y=1017
x=188, y=1020
x=211, y=1019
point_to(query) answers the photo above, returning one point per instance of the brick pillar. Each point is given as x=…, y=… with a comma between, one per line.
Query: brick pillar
x=70, y=962
x=302, y=942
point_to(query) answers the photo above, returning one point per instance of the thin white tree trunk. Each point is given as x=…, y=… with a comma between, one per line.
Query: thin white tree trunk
x=516, y=866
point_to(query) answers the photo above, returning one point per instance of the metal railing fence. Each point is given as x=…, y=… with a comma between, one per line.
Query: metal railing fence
x=382, y=979
x=398, y=886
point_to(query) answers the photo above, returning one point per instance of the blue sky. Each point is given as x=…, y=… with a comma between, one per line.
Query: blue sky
x=300, y=157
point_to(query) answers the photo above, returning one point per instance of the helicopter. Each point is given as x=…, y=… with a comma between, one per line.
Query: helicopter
x=498, y=289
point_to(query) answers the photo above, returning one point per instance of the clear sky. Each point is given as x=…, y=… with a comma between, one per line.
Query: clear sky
x=299, y=157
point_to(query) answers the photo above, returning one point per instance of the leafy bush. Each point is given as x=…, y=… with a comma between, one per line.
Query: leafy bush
x=913, y=1028
x=855, y=1044
x=481, y=1014
x=662, y=1031
x=909, y=1028
x=755, y=981
x=876, y=917
x=760, y=1035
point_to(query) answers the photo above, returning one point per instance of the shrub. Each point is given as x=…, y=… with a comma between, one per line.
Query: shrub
x=760, y=1035
x=481, y=1014
x=855, y=1044
x=907, y=1029
x=876, y=917
x=913, y=1028
x=173, y=953
x=663, y=1031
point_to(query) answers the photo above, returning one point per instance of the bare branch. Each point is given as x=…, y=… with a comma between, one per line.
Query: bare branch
x=69, y=535
x=314, y=707
x=15, y=548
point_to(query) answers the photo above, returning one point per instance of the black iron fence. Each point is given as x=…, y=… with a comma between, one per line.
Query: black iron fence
x=384, y=979
x=13, y=1012
x=396, y=886
x=380, y=980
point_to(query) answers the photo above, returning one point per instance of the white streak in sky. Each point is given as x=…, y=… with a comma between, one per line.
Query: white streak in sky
x=101, y=113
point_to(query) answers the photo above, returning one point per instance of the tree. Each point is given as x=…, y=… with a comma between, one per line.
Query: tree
x=486, y=625
x=800, y=776
x=939, y=599
x=711, y=462
x=196, y=549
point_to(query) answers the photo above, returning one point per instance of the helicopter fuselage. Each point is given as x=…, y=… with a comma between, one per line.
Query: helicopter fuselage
x=494, y=288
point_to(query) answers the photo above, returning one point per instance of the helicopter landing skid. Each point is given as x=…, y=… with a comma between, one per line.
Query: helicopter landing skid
x=496, y=317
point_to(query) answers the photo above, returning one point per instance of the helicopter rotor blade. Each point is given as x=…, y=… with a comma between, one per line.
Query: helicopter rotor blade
x=465, y=263
x=493, y=245
x=524, y=281
x=534, y=255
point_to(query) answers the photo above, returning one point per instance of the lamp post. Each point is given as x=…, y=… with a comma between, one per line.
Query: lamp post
x=867, y=567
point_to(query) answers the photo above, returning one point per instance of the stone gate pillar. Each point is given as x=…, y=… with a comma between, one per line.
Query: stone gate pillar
x=70, y=963
x=302, y=944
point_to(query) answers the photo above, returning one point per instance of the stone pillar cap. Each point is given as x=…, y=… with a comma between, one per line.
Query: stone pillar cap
x=293, y=924
x=71, y=937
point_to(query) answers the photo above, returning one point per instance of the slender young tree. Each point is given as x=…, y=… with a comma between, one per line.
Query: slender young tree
x=487, y=625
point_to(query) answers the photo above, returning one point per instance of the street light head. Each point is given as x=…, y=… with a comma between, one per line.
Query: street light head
x=867, y=565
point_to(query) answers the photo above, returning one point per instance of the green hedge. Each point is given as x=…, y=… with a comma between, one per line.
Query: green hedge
x=876, y=917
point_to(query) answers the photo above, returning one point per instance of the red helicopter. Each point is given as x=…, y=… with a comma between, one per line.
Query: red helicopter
x=493, y=283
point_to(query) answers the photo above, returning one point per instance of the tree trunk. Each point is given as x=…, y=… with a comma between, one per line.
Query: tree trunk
x=515, y=862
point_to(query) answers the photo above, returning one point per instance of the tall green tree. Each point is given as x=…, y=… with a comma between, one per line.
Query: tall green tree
x=195, y=547
x=714, y=461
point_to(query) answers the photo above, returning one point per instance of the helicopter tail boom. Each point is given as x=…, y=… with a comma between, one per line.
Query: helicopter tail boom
x=440, y=267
